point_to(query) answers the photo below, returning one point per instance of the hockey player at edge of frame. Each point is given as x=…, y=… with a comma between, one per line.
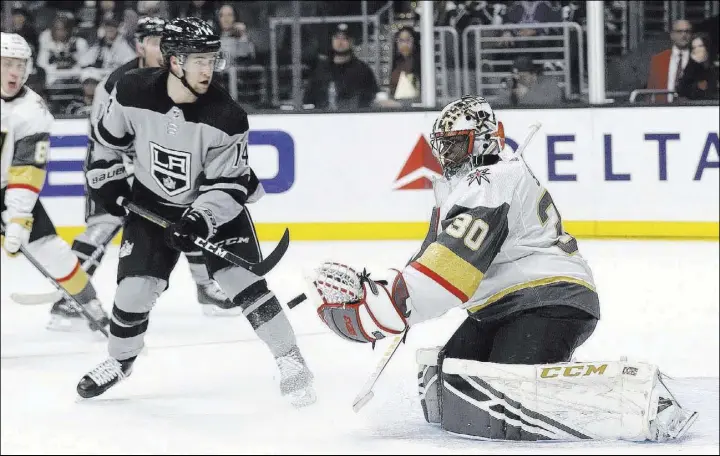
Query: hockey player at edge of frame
x=191, y=168
x=100, y=224
x=496, y=248
x=24, y=145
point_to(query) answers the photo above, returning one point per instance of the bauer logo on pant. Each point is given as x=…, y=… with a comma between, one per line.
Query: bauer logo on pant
x=170, y=169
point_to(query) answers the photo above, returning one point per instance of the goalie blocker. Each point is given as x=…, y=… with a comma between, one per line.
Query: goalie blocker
x=610, y=400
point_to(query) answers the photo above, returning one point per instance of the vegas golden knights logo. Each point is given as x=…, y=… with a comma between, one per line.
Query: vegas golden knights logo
x=170, y=169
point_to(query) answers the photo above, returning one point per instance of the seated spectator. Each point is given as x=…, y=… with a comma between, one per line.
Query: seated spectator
x=234, y=39
x=700, y=78
x=342, y=81
x=59, y=50
x=196, y=8
x=666, y=67
x=106, y=10
x=531, y=12
x=405, y=75
x=82, y=107
x=528, y=87
x=110, y=51
x=22, y=24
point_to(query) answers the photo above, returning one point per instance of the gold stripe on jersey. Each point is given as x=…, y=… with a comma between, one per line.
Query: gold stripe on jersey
x=28, y=177
x=453, y=270
x=531, y=284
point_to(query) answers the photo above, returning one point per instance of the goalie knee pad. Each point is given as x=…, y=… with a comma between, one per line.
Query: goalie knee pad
x=568, y=401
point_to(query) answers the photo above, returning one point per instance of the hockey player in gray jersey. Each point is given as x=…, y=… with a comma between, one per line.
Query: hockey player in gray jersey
x=497, y=248
x=190, y=141
x=100, y=224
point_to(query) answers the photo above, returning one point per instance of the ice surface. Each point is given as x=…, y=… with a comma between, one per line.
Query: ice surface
x=207, y=385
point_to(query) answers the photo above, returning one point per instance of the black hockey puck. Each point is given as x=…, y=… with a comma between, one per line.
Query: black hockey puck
x=296, y=300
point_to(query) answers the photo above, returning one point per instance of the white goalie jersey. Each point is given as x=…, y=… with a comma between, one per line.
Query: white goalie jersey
x=496, y=245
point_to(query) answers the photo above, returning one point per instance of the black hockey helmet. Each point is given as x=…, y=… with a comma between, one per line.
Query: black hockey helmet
x=191, y=35
x=149, y=26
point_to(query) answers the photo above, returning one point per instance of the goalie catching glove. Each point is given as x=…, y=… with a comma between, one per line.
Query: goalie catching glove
x=357, y=307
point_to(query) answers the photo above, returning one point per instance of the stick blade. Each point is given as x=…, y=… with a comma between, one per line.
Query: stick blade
x=361, y=401
x=35, y=299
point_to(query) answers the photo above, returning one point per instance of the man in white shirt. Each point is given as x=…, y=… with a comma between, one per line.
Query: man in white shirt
x=667, y=66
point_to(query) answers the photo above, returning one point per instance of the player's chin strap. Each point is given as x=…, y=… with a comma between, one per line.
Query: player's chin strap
x=185, y=83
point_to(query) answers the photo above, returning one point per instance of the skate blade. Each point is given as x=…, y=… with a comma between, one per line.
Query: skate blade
x=61, y=324
x=211, y=310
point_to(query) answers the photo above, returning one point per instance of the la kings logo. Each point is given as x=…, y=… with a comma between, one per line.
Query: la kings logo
x=170, y=169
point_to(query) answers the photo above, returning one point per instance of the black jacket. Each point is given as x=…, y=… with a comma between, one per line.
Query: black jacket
x=698, y=82
x=355, y=84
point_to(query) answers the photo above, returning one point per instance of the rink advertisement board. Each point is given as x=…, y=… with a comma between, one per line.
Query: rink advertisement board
x=613, y=172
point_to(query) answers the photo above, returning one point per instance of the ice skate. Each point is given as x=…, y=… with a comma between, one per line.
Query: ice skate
x=64, y=317
x=296, y=379
x=103, y=377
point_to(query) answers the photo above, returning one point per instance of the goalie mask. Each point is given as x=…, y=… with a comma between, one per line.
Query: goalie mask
x=465, y=132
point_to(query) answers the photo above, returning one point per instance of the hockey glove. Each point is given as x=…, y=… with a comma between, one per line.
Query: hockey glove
x=358, y=308
x=194, y=223
x=17, y=231
x=107, y=181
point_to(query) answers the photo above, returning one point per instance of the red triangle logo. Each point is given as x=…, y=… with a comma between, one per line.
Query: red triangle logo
x=420, y=157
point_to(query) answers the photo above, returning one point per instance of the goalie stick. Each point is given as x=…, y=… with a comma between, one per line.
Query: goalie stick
x=366, y=393
x=54, y=296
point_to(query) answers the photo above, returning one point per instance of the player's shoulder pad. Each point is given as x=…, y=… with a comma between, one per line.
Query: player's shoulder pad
x=32, y=115
x=141, y=88
x=489, y=186
x=219, y=110
x=113, y=77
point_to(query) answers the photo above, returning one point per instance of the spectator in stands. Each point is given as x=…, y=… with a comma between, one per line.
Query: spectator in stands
x=234, y=38
x=666, y=67
x=528, y=12
x=59, y=49
x=197, y=8
x=106, y=10
x=153, y=8
x=527, y=86
x=342, y=81
x=82, y=107
x=111, y=51
x=22, y=24
x=700, y=78
x=405, y=75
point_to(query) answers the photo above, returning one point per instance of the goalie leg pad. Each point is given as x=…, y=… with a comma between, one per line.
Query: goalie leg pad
x=566, y=401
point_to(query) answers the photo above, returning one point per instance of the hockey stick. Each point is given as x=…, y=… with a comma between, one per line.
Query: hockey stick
x=260, y=268
x=533, y=129
x=366, y=393
x=54, y=296
x=70, y=298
